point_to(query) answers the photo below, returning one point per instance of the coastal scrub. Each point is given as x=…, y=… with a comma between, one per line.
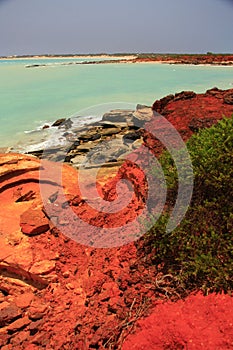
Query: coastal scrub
x=199, y=252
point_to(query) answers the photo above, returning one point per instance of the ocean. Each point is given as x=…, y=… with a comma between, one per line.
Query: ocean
x=33, y=97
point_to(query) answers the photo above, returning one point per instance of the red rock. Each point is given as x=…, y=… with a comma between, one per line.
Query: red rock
x=228, y=98
x=34, y=222
x=37, y=310
x=104, y=285
x=18, y=324
x=19, y=338
x=8, y=313
x=24, y=300
x=43, y=267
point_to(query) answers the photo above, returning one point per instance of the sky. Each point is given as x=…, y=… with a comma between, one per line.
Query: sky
x=114, y=26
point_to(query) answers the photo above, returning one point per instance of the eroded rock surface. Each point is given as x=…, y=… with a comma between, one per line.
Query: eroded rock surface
x=55, y=292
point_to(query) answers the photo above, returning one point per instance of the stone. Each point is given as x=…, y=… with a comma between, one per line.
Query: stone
x=34, y=222
x=26, y=197
x=118, y=115
x=107, y=152
x=136, y=144
x=43, y=267
x=8, y=313
x=18, y=324
x=46, y=126
x=37, y=310
x=24, y=300
x=228, y=98
x=58, y=122
x=110, y=131
x=67, y=124
x=35, y=325
x=159, y=105
x=139, y=106
x=184, y=95
x=77, y=160
x=19, y=338
x=130, y=137
x=105, y=124
x=141, y=116
x=92, y=135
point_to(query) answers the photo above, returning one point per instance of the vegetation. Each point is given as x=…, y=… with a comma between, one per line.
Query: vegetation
x=198, y=254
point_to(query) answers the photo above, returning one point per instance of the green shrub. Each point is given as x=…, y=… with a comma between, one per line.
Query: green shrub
x=199, y=252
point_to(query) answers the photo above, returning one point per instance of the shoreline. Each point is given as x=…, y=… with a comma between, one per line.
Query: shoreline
x=119, y=122
x=38, y=57
x=184, y=59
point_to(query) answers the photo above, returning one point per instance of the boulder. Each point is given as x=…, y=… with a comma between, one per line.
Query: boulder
x=34, y=222
x=46, y=126
x=58, y=122
x=67, y=124
x=141, y=116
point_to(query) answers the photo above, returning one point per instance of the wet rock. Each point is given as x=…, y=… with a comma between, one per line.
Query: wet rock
x=34, y=222
x=59, y=122
x=46, y=126
x=67, y=124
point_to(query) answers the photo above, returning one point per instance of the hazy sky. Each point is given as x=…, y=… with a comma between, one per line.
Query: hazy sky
x=94, y=26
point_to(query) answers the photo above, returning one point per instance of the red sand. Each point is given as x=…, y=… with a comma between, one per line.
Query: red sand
x=195, y=323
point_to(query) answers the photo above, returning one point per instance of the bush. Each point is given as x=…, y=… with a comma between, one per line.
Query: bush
x=199, y=252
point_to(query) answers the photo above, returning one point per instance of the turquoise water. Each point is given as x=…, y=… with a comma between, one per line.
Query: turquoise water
x=31, y=97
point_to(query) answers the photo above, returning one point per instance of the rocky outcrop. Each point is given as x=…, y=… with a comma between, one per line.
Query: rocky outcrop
x=103, y=142
x=55, y=292
x=189, y=112
x=209, y=58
